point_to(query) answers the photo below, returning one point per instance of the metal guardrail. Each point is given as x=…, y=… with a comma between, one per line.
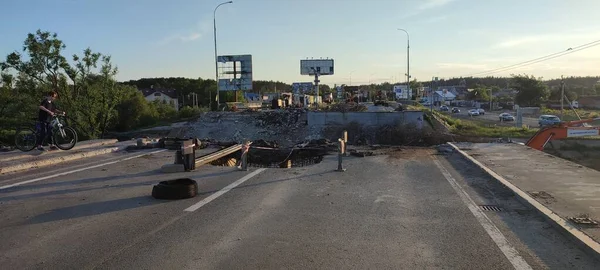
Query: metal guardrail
x=218, y=154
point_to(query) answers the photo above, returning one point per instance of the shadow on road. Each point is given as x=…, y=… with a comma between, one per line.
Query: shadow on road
x=96, y=208
x=69, y=191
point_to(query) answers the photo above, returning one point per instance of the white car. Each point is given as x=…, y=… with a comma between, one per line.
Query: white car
x=473, y=112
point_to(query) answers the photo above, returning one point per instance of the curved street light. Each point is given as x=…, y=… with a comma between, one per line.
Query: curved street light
x=407, y=58
x=216, y=63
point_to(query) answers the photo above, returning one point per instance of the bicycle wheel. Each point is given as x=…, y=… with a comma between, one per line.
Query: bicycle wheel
x=65, y=138
x=25, y=139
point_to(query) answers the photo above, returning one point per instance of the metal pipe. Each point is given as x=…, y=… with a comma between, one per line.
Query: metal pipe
x=216, y=63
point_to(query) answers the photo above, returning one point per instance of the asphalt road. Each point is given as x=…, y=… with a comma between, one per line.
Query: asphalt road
x=412, y=209
x=493, y=117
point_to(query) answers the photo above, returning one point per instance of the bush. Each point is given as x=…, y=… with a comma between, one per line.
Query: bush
x=187, y=111
x=347, y=107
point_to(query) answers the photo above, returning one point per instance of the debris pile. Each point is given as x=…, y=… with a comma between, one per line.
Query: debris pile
x=281, y=127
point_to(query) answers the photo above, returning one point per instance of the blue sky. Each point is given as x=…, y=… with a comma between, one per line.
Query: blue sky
x=449, y=38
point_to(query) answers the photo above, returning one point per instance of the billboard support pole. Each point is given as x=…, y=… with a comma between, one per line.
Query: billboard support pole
x=317, y=90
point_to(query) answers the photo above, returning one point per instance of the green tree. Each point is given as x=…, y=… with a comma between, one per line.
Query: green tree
x=531, y=91
x=88, y=93
x=479, y=93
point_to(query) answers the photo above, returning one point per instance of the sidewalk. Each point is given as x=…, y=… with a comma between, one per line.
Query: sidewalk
x=19, y=161
x=565, y=189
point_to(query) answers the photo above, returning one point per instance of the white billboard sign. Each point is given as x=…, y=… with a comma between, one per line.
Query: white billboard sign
x=317, y=66
x=235, y=72
x=582, y=132
x=402, y=92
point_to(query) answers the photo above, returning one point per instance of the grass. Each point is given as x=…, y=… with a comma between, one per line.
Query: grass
x=569, y=115
x=471, y=128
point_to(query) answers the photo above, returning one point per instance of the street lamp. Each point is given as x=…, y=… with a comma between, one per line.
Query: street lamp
x=407, y=58
x=216, y=63
x=350, y=84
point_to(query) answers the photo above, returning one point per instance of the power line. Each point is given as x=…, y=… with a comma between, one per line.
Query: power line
x=537, y=60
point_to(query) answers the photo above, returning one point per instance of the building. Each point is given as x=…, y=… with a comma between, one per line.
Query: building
x=589, y=102
x=443, y=96
x=169, y=96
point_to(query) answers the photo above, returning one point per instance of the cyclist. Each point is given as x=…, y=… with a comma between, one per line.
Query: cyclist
x=45, y=114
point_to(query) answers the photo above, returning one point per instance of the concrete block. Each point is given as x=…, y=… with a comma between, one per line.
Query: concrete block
x=172, y=168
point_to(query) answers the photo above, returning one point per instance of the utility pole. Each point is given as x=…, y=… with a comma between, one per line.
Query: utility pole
x=491, y=98
x=562, y=94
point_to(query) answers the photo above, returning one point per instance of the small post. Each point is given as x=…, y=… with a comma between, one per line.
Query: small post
x=345, y=137
x=245, y=149
x=340, y=168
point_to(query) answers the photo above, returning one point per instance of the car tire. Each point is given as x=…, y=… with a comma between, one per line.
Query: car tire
x=175, y=189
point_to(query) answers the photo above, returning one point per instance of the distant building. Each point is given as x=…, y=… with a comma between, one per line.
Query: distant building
x=591, y=102
x=251, y=96
x=443, y=96
x=169, y=96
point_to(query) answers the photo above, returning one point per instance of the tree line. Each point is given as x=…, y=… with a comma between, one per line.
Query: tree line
x=97, y=103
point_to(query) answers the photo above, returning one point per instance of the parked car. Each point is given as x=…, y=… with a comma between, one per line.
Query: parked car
x=455, y=110
x=548, y=120
x=481, y=111
x=506, y=117
x=444, y=108
x=473, y=112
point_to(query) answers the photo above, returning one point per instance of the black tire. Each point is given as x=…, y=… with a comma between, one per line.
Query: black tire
x=175, y=189
x=70, y=135
x=25, y=139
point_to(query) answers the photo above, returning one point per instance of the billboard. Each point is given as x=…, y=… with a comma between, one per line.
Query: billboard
x=302, y=87
x=401, y=92
x=235, y=72
x=317, y=66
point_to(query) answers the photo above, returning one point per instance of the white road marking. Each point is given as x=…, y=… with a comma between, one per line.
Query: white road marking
x=226, y=189
x=78, y=170
x=509, y=251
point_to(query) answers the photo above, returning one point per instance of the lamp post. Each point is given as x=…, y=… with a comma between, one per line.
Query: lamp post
x=407, y=59
x=216, y=63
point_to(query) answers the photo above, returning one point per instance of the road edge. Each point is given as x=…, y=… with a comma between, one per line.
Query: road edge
x=586, y=242
x=57, y=160
x=82, y=145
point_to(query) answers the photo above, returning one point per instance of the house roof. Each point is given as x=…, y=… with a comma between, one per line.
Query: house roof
x=447, y=94
x=172, y=93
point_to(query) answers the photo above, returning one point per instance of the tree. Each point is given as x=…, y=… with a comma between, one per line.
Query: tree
x=531, y=91
x=87, y=93
x=479, y=93
x=415, y=87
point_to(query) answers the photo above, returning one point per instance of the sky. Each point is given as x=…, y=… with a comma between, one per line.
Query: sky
x=448, y=38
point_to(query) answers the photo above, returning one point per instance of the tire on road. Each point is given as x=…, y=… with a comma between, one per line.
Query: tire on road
x=175, y=189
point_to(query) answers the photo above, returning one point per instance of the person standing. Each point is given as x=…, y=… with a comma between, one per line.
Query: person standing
x=47, y=110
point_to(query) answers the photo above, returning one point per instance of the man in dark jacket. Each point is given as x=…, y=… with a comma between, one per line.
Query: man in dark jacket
x=47, y=110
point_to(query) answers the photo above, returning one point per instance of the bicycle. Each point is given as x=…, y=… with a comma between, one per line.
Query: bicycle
x=26, y=137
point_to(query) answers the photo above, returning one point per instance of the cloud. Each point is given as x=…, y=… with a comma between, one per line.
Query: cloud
x=429, y=4
x=460, y=66
x=179, y=37
x=534, y=39
x=436, y=19
x=195, y=33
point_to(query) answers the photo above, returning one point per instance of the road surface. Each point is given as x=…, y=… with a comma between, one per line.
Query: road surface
x=493, y=117
x=413, y=209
